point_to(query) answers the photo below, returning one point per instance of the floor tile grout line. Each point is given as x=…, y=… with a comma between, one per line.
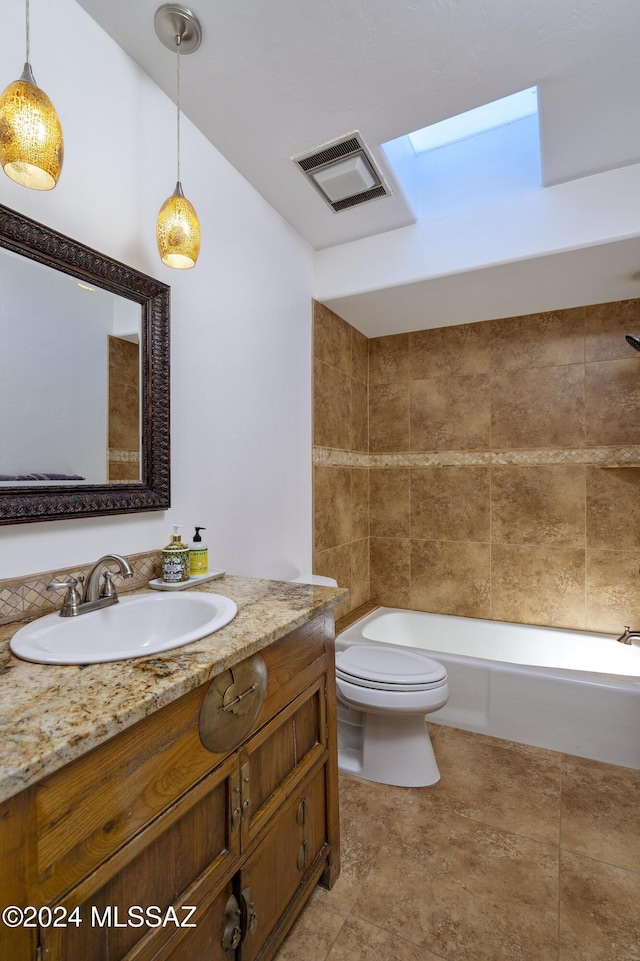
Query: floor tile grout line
x=398, y=937
x=609, y=864
x=332, y=945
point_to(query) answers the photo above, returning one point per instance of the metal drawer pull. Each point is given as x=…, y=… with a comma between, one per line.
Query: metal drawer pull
x=301, y=813
x=250, y=918
x=232, y=934
x=302, y=856
x=231, y=704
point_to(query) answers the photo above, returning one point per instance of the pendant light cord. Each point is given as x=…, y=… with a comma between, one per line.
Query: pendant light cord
x=27, y=32
x=178, y=42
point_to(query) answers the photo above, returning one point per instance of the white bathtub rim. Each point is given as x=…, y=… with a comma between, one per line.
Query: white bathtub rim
x=353, y=634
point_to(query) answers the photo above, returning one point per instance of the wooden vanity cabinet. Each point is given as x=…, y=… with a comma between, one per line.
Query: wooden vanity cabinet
x=236, y=851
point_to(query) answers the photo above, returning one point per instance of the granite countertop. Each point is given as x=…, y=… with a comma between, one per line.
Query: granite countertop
x=52, y=714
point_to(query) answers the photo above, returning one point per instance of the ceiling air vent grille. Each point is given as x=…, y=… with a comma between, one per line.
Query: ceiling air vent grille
x=336, y=152
x=343, y=172
x=359, y=198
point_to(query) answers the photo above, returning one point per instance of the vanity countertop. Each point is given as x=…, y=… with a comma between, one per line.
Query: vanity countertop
x=53, y=714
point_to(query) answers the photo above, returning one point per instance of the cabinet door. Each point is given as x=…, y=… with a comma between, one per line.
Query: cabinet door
x=216, y=926
x=279, y=757
x=177, y=861
x=16, y=831
x=277, y=877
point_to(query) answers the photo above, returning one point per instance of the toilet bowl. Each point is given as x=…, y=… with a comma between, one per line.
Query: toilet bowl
x=384, y=694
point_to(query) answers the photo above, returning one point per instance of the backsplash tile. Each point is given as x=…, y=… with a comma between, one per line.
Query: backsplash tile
x=27, y=597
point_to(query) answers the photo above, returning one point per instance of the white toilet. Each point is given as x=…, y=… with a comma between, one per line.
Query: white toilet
x=384, y=694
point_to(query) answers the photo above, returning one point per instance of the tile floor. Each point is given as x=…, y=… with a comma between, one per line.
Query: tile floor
x=518, y=854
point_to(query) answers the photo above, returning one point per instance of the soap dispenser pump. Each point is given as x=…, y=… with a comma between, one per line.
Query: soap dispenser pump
x=198, y=555
x=175, y=559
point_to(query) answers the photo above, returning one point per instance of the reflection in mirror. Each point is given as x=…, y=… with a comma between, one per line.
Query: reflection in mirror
x=69, y=379
x=84, y=380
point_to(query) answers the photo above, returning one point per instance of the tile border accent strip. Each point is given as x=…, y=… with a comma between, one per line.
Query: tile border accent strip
x=591, y=456
x=123, y=456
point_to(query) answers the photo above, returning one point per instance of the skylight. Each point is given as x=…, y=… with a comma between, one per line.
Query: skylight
x=484, y=156
x=476, y=121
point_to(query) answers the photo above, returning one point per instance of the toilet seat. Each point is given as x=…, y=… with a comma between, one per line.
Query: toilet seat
x=389, y=669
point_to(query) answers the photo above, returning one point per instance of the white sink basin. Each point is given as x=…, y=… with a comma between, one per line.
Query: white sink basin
x=136, y=626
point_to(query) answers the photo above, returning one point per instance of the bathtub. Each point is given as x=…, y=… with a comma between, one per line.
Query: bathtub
x=568, y=691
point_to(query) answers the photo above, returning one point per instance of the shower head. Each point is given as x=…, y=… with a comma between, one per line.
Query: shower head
x=634, y=341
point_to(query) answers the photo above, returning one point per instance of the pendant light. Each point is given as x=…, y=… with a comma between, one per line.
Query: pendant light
x=177, y=226
x=31, y=144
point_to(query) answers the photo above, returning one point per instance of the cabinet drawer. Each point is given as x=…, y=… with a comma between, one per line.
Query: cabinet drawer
x=91, y=807
x=188, y=849
x=293, y=663
x=204, y=942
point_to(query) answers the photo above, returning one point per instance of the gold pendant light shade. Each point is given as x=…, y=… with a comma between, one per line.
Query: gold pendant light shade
x=178, y=231
x=31, y=142
x=177, y=225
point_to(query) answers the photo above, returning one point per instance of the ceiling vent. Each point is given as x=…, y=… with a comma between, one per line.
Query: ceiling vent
x=343, y=172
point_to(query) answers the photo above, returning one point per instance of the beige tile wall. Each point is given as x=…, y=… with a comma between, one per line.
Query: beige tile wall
x=124, y=407
x=341, y=423
x=484, y=495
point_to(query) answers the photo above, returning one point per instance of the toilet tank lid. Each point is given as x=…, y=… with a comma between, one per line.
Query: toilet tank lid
x=318, y=579
x=395, y=665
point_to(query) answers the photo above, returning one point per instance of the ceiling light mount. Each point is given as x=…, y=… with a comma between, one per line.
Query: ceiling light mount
x=173, y=21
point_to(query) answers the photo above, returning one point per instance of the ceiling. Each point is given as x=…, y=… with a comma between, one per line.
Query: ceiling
x=275, y=78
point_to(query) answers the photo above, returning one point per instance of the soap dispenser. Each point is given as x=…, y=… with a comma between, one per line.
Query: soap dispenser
x=198, y=555
x=175, y=559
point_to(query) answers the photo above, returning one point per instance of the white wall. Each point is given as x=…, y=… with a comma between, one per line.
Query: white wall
x=241, y=319
x=535, y=223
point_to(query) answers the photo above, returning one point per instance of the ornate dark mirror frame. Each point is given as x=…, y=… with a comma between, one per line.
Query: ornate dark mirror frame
x=19, y=505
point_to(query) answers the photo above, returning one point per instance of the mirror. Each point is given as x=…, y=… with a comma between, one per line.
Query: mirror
x=84, y=379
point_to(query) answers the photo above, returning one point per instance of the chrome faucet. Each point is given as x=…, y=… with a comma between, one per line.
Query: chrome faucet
x=628, y=636
x=92, y=595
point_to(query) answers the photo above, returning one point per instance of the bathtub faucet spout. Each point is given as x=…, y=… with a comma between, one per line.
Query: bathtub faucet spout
x=629, y=636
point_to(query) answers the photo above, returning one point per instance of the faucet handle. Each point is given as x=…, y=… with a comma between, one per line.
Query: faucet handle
x=72, y=598
x=108, y=590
